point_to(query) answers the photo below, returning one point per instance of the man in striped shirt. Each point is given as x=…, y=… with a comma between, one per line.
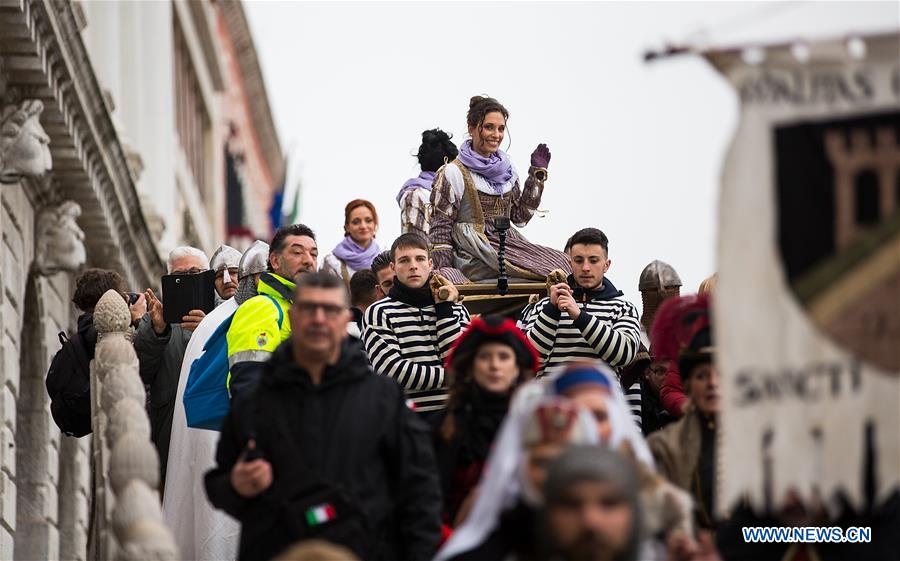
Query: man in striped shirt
x=409, y=333
x=586, y=317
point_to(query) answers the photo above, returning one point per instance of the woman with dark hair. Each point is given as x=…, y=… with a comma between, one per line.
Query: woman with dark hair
x=480, y=185
x=436, y=150
x=90, y=286
x=358, y=248
x=487, y=363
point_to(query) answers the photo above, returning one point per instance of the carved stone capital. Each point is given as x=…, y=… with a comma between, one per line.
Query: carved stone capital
x=111, y=315
x=60, y=241
x=24, y=145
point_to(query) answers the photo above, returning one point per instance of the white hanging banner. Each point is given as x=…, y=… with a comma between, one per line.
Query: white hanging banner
x=807, y=313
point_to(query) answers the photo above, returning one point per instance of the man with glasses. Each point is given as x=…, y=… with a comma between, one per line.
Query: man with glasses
x=381, y=266
x=325, y=449
x=160, y=350
x=199, y=530
x=647, y=375
x=654, y=415
x=262, y=323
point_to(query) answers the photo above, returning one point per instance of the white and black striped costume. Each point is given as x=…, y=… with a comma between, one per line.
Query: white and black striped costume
x=607, y=328
x=633, y=395
x=410, y=343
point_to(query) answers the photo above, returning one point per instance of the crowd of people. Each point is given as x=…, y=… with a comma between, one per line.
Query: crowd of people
x=370, y=416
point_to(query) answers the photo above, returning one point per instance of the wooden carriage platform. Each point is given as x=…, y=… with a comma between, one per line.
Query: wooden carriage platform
x=483, y=298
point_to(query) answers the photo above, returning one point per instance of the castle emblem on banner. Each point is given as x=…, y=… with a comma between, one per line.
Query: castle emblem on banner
x=838, y=191
x=807, y=311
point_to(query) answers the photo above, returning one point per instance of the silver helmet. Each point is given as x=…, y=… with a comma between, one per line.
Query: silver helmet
x=224, y=258
x=255, y=260
x=658, y=276
x=658, y=282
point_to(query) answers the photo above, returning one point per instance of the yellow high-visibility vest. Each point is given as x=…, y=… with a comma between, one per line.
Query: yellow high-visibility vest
x=261, y=323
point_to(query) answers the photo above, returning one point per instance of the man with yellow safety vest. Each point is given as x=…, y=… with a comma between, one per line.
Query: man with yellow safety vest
x=261, y=323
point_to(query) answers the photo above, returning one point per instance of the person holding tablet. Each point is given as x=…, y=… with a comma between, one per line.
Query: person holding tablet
x=160, y=349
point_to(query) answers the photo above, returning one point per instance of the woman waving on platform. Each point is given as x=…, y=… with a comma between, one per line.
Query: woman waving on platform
x=478, y=186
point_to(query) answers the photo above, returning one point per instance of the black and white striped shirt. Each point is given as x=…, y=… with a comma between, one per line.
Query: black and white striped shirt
x=409, y=344
x=633, y=396
x=607, y=328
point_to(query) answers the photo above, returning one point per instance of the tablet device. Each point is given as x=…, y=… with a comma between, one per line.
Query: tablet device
x=183, y=293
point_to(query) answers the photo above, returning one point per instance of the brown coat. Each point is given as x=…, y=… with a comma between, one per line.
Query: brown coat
x=676, y=449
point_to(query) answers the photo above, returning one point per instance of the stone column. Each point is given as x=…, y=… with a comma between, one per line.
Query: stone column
x=37, y=440
x=74, y=497
x=45, y=312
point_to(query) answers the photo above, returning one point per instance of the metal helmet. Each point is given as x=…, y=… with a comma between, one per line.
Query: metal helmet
x=659, y=281
x=225, y=257
x=658, y=276
x=255, y=259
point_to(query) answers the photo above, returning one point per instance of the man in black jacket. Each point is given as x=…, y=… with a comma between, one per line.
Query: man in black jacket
x=160, y=350
x=325, y=448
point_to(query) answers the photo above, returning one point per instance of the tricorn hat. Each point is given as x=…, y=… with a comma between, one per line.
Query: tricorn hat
x=492, y=329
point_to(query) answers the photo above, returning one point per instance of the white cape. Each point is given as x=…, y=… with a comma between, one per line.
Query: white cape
x=201, y=532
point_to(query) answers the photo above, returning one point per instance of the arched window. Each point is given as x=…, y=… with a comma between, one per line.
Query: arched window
x=865, y=187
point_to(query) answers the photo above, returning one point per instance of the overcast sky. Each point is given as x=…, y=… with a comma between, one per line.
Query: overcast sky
x=637, y=148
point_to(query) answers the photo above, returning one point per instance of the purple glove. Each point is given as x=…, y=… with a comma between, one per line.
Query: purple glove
x=540, y=158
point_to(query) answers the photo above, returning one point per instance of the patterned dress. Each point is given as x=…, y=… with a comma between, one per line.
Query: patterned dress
x=334, y=265
x=414, y=205
x=463, y=240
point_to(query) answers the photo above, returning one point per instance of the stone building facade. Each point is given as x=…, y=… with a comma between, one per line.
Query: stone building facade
x=209, y=152
x=252, y=145
x=116, y=123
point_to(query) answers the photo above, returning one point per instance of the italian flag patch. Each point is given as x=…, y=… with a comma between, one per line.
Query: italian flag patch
x=320, y=514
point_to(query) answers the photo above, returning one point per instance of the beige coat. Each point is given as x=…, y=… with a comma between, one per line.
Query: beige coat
x=676, y=449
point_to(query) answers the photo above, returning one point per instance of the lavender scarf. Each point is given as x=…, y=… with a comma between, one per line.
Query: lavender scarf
x=353, y=255
x=496, y=169
x=424, y=181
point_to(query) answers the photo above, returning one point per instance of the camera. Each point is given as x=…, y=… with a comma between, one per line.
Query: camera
x=502, y=226
x=132, y=298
